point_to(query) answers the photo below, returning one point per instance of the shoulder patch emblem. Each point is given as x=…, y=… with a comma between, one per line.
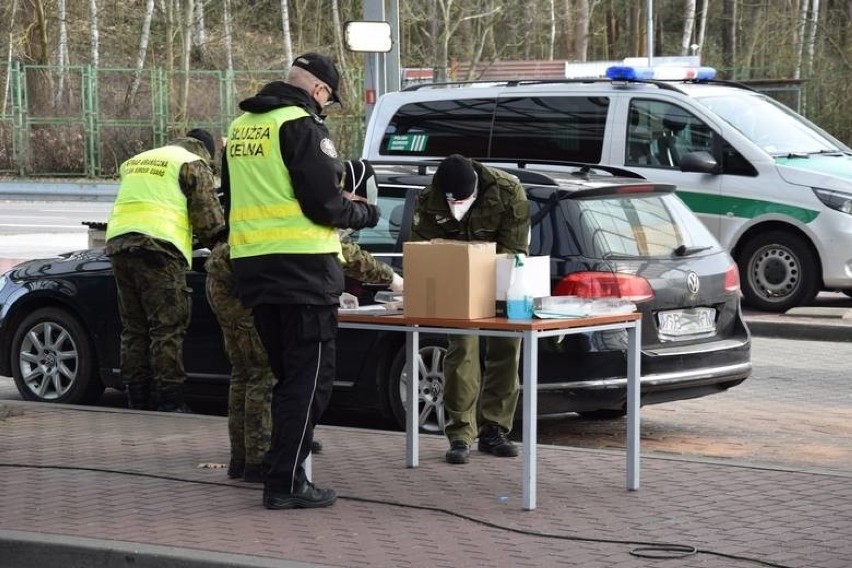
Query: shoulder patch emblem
x=327, y=147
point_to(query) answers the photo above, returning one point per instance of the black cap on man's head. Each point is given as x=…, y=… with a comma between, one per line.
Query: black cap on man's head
x=205, y=138
x=323, y=68
x=455, y=177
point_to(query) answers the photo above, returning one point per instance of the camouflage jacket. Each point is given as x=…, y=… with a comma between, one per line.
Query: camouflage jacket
x=205, y=212
x=500, y=214
x=361, y=265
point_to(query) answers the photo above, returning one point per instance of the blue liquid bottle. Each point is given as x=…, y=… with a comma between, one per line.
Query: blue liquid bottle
x=519, y=302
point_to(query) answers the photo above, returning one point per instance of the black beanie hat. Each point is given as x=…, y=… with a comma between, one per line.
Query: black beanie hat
x=205, y=138
x=455, y=177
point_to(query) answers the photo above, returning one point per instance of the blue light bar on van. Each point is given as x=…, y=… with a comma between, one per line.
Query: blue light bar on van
x=630, y=73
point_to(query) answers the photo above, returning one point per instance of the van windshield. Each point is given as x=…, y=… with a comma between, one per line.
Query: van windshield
x=771, y=125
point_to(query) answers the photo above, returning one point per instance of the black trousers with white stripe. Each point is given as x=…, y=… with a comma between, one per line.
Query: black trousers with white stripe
x=300, y=343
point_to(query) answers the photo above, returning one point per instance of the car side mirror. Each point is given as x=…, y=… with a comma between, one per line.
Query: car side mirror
x=699, y=162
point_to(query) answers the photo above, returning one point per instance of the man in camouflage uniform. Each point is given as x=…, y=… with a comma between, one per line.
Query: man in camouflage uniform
x=165, y=195
x=468, y=201
x=252, y=380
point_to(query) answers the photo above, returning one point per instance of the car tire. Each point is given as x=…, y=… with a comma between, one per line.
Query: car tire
x=778, y=271
x=53, y=359
x=431, y=390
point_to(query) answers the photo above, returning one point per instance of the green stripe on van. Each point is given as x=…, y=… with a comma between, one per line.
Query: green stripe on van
x=742, y=207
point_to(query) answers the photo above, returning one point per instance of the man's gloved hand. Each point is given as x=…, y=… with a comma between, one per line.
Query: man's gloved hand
x=396, y=283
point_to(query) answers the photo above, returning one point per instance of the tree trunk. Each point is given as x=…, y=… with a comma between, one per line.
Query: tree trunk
x=288, y=37
x=130, y=96
x=185, y=60
x=702, y=28
x=688, y=24
x=62, y=54
x=729, y=35
x=8, y=84
x=93, y=33
x=581, y=30
x=811, y=39
x=552, y=46
x=199, y=35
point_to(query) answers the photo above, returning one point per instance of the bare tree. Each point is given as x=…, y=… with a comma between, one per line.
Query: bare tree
x=62, y=52
x=93, y=33
x=801, y=23
x=8, y=84
x=199, y=35
x=688, y=24
x=285, y=27
x=812, y=33
x=229, y=49
x=552, y=47
x=729, y=33
x=702, y=27
x=582, y=14
x=144, y=38
x=185, y=59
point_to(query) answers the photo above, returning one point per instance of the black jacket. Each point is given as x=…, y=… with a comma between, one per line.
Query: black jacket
x=315, y=170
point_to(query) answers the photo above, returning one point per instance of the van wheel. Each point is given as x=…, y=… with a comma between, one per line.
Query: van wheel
x=53, y=359
x=431, y=388
x=778, y=272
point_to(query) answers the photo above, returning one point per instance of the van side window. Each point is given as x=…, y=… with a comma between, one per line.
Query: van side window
x=659, y=133
x=550, y=128
x=440, y=128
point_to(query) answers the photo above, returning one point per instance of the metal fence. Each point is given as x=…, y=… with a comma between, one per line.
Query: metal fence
x=83, y=121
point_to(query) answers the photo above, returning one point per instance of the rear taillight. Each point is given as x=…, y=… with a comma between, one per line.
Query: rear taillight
x=605, y=285
x=732, y=279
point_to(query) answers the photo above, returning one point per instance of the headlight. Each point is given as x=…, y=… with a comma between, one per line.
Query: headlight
x=835, y=199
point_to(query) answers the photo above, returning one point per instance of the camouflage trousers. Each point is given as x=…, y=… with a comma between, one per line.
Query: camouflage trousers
x=473, y=397
x=154, y=305
x=250, y=394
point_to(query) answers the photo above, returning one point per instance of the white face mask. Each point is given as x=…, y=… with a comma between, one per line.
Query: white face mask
x=460, y=208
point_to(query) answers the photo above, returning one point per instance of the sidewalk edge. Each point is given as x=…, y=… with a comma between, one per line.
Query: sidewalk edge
x=38, y=550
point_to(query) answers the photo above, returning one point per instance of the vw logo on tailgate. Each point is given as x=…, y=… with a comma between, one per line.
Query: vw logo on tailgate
x=692, y=283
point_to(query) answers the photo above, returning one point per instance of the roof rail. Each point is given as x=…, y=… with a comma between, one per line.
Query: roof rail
x=503, y=83
x=518, y=168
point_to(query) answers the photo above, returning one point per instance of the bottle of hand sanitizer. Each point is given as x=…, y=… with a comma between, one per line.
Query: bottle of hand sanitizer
x=519, y=302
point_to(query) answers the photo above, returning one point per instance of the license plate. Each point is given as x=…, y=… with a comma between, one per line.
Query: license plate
x=693, y=323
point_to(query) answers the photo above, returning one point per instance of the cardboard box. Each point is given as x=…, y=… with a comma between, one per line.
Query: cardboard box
x=449, y=279
x=536, y=275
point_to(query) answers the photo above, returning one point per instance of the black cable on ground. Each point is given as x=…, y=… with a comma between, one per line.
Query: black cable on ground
x=643, y=549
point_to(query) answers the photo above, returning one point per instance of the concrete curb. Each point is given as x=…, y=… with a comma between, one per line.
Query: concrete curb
x=812, y=329
x=58, y=191
x=38, y=550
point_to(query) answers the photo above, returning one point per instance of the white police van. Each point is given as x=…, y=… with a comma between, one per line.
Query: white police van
x=774, y=188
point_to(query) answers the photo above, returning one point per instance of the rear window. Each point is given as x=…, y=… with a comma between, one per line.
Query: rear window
x=640, y=226
x=440, y=128
x=550, y=128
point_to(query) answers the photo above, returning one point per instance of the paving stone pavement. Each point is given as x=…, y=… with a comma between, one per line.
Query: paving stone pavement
x=114, y=477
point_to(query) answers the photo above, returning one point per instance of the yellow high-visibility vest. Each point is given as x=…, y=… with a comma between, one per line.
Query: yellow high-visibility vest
x=150, y=200
x=265, y=217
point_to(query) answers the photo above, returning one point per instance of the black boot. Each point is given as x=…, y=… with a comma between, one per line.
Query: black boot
x=138, y=396
x=236, y=467
x=171, y=400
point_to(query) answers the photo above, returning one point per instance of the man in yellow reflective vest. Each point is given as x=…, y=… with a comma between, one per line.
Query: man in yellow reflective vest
x=280, y=180
x=165, y=195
